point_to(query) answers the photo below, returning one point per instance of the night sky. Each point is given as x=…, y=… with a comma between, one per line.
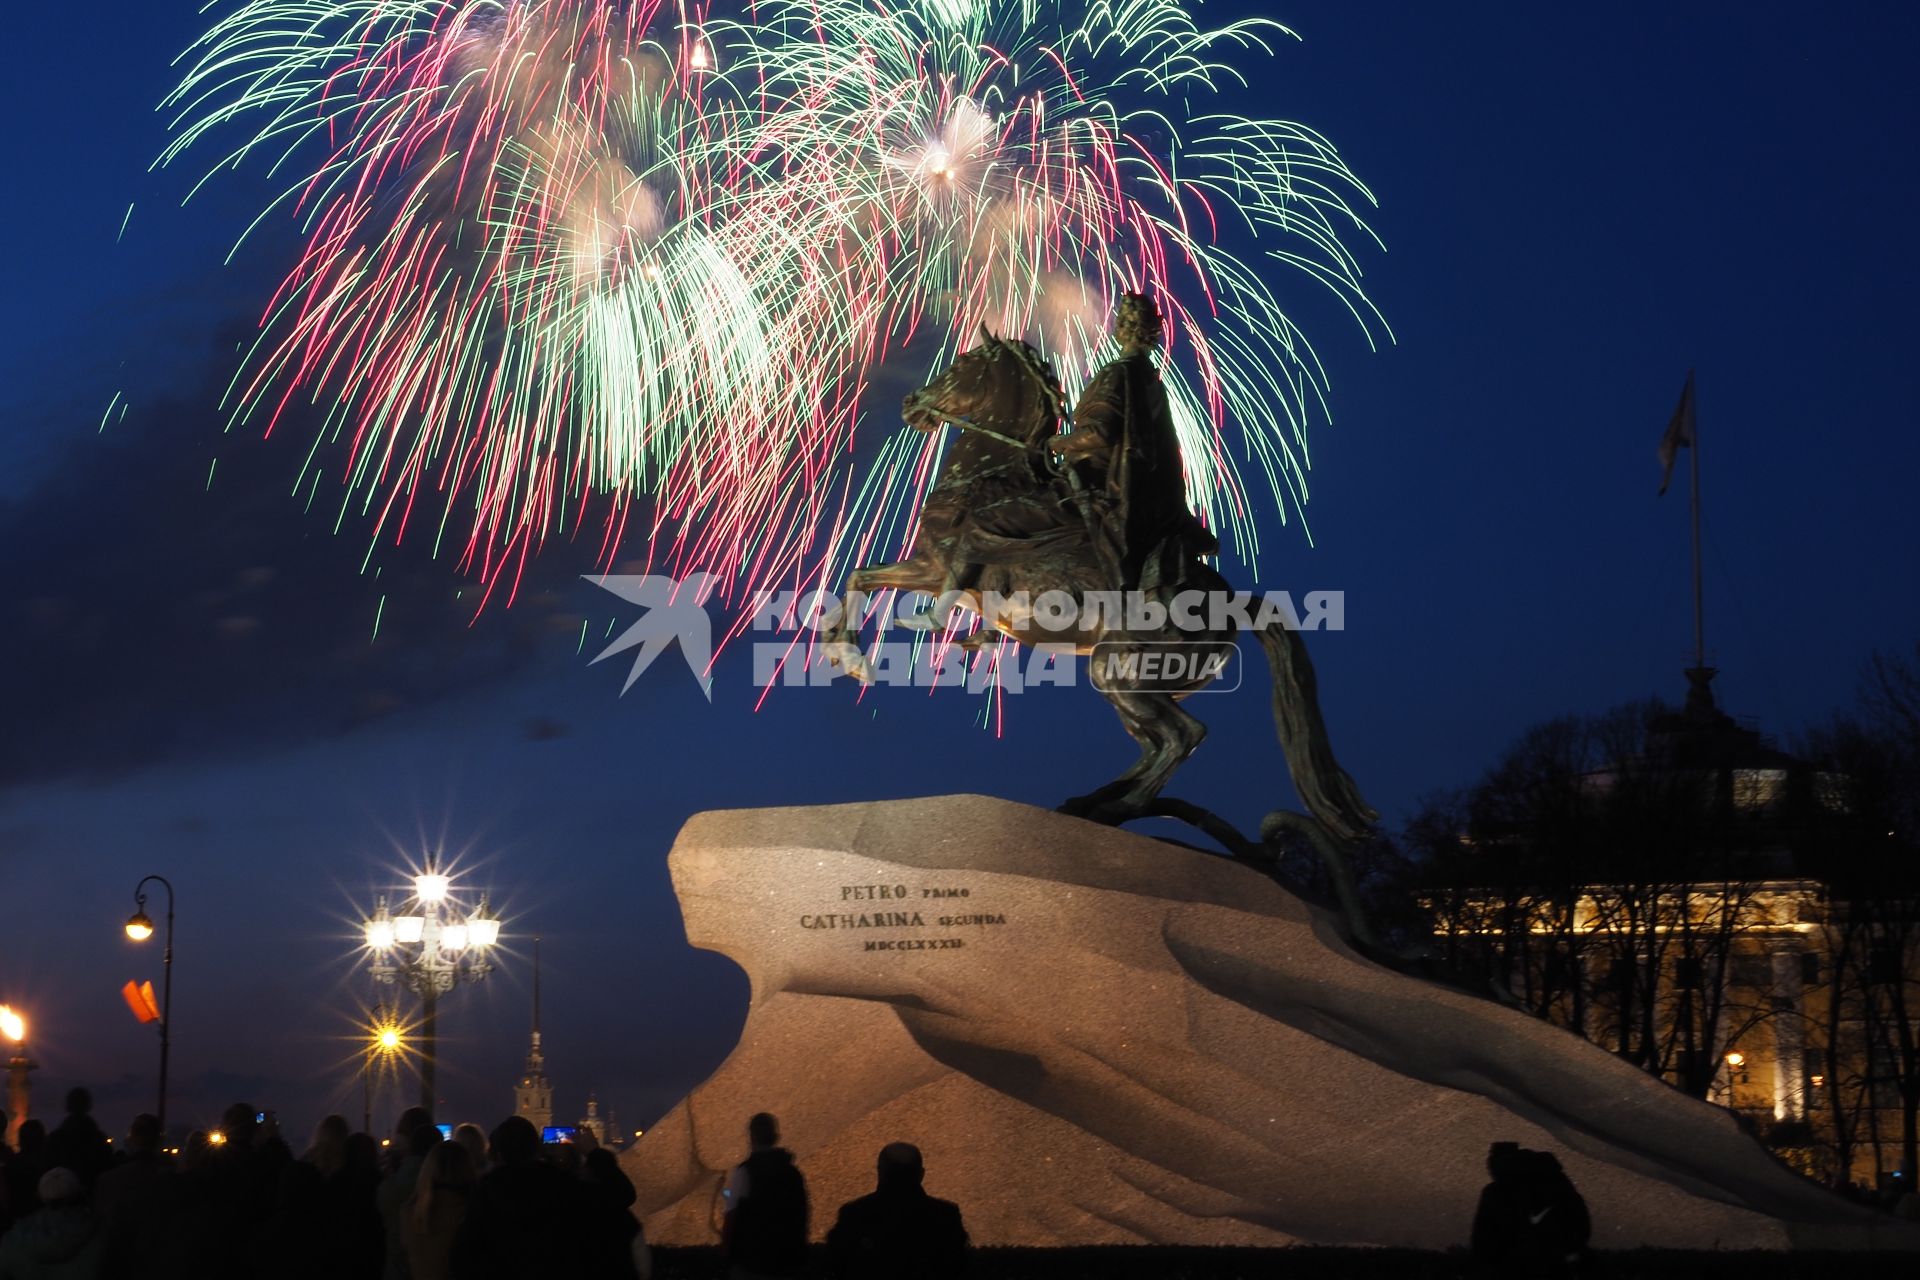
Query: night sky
x=1579, y=203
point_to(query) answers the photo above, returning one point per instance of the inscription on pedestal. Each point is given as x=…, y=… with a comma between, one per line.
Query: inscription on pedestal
x=912, y=910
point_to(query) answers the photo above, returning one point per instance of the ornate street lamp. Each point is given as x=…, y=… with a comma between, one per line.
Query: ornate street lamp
x=140, y=928
x=432, y=946
x=14, y=1027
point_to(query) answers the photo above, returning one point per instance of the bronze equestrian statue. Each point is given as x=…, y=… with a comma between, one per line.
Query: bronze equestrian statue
x=1003, y=520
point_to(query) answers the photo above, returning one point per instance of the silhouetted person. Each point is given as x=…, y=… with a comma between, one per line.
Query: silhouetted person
x=188, y=1233
x=353, y=1205
x=328, y=1151
x=246, y=1169
x=24, y=1170
x=78, y=1143
x=125, y=1182
x=296, y=1241
x=61, y=1240
x=127, y=1197
x=1531, y=1221
x=765, y=1232
x=1560, y=1222
x=414, y=1137
x=6, y=1159
x=436, y=1214
x=528, y=1217
x=899, y=1232
x=611, y=1228
x=564, y=1156
x=363, y=1161
x=1501, y=1222
x=474, y=1139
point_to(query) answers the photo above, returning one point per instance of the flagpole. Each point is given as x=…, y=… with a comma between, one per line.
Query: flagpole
x=1693, y=464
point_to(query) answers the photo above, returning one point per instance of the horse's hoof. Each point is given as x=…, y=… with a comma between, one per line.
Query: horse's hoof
x=850, y=659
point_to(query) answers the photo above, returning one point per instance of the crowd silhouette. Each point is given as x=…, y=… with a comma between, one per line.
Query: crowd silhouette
x=237, y=1203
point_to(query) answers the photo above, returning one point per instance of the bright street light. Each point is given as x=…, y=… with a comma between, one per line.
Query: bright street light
x=140, y=928
x=19, y=1089
x=385, y=1042
x=432, y=947
x=482, y=929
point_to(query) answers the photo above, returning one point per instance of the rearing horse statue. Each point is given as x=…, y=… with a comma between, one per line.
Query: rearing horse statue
x=1003, y=522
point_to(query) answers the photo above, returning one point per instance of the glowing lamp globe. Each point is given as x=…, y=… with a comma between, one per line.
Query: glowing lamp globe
x=409, y=928
x=483, y=930
x=380, y=934
x=139, y=926
x=12, y=1025
x=431, y=887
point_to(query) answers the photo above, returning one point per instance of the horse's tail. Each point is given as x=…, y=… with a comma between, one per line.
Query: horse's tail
x=1330, y=795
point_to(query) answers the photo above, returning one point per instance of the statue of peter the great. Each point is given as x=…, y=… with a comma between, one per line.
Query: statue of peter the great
x=1125, y=448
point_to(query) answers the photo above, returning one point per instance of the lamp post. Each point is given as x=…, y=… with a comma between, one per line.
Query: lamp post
x=140, y=928
x=14, y=1028
x=432, y=946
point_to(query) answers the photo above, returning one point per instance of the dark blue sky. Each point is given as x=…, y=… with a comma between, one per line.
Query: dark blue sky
x=1579, y=203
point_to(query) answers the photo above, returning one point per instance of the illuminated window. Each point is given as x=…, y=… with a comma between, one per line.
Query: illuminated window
x=1757, y=789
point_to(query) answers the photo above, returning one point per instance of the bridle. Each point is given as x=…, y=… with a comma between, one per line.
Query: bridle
x=1029, y=364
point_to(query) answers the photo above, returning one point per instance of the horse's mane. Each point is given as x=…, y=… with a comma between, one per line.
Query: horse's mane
x=1036, y=364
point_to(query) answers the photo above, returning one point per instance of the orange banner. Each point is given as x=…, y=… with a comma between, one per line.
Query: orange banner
x=140, y=1000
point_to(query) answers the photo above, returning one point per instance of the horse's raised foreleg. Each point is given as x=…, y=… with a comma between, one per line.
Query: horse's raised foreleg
x=842, y=640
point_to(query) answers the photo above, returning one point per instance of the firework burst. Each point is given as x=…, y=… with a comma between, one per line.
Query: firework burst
x=569, y=260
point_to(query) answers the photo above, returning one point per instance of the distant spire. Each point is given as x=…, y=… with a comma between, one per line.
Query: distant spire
x=533, y=1097
x=536, y=1061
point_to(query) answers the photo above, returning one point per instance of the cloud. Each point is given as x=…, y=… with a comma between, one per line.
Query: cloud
x=168, y=596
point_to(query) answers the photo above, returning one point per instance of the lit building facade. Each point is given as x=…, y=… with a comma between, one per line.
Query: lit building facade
x=1760, y=974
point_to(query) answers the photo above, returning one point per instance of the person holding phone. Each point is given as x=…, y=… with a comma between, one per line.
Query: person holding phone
x=764, y=1233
